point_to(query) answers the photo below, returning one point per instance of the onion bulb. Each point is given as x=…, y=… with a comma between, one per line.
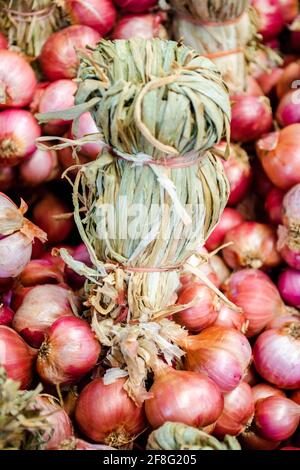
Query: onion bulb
x=140, y=26
x=229, y=219
x=40, y=167
x=251, y=117
x=100, y=15
x=135, y=6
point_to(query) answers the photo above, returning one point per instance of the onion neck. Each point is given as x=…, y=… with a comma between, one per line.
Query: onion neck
x=294, y=235
x=119, y=439
x=293, y=330
x=3, y=93
x=9, y=148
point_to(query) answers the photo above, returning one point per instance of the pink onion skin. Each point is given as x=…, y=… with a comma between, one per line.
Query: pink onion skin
x=292, y=258
x=7, y=178
x=239, y=173
x=204, y=311
x=251, y=118
x=251, y=377
x=252, y=87
x=295, y=396
x=220, y=269
x=238, y=411
x=135, y=6
x=15, y=253
x=229, y=318
x=100, y=15
x=273, y=205
x=279, y=154
x=290, y=316
x=6, y=315
x=253, y=246
x=268, y=80
x=41, y=271
x=147, y=26
x=40, y=167
x=60, y=423
x=87, y=126
x=276, y=418
x=58, y=57
x=41, y=307
x=17, y=80
x=289, y=287
x=276, y=355
x=16, y=356
x=183, y=396
x=289, y=9
x=3, y=42
x=264, y=390
x=290, y=74
x=229, y=219
x=39, y=91
x=79, y=254
x=69, y=352
x=187, y=278
x=255, y=293
x=18, y=132
x=58, y=96
x=213, y=352
x=43, y=215
x=288, y=109
x=103, y=411
x=271, y=21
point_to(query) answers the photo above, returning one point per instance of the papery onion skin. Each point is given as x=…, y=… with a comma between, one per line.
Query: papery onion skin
x=265, y=390
x=273, y=205
x=268, y=80
x=223, y=354
x=16, y=356
x=58, y=56
x=229, y=219
x=231, y=319
x=238, y=171
x=288, y=109
x=253, y=245
x=44, y=213
x=140, y=26
x=290, y=256
x=100, y=15
x=40, y=167
x=183, y=396
x=276, y=418
x=238, y=410
x=79, y=254
x=106, y=413
x=271, y=21
x=290, y=74
x=135, y=6
x=250, y=440
x=296, y=396
x=276, y=355
x=79, y=444
x=289, y=287
x=187, y=278
x=41, y=271
x=17, y=80
x=255, y=293
x=87, y=126
x=220, y=269
x=41, y=307
x=251, y=377
x=58, y=96
x=69, y=351
x=60, y=423
x=18, y=132
x=251, y=117
x=39, y=91
x=204, y=310
x=15, y=253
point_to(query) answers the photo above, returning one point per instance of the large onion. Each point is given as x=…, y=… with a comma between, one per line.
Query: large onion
x=98, y=14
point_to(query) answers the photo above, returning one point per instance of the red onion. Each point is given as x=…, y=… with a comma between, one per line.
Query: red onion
x=100, y=15
x=6, y=315
x=58, y=96
x=106, y=413
x=16, y=237
x=251, y=117
x=262, y=185
x=41, y=271
x=140, y=26
x=289, y=9
x=87, y=126
x=279, y=154
x=60, y=424
x=79, y=254
x=18, y=132
x=268, y=80
x=255, y=293
x=271, y=21
x=44, y=213
x=251, y=377
x=296, y=396
x=238, y=411
x=40, y=308
x=291, y=74
x=276, y=418
x=264, y=390
x=223, y=354
x=252, y=87
x=69, y=352
x=39, y=91
x=290, y=448
x=290, y=255
x=289, y=287
x=182, y=396
x=67, y=160
x=288, y=109
x=16, y=356
x=58, y=57
x=276, y=356
x=3, y=42
x=231, y=319
x=253, y=246
x=7, y=178
x=40, y=167
x=220, y=269
x=238, y=172
x=250, y=440
x=135, y=6
x=229, y=219
x=17, y=80
x=273, y=205
x=203, y=310
x=295, y=35
x=290, y=316
x=187, y=278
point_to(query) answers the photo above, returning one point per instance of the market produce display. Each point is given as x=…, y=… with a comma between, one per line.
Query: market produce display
x=149, y=225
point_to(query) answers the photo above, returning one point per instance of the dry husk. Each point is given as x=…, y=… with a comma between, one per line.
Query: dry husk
x=211, y=10
x=179, y=436
x=29, y=23
x=178, y=209
x=155, y=97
